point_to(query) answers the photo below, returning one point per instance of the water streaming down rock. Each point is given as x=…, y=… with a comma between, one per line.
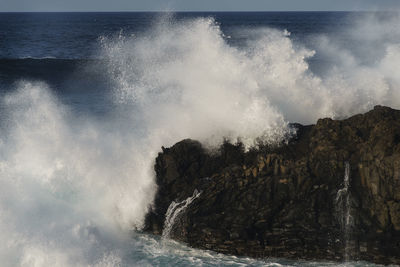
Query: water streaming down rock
x=343, y=207
x=291, y=201
x=174, y=210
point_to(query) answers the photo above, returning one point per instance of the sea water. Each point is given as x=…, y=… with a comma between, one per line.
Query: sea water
x=88, y=99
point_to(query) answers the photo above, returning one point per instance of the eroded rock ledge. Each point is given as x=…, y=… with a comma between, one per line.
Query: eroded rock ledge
x=282, y=202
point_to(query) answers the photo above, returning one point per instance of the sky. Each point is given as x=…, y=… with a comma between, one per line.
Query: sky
x=196, y=5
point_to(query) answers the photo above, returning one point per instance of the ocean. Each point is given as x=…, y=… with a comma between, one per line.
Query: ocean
x=88, y=99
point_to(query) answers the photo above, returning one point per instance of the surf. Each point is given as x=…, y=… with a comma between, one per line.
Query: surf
x=74, y=186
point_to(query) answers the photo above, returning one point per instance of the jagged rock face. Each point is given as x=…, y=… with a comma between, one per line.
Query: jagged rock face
x=282, y=202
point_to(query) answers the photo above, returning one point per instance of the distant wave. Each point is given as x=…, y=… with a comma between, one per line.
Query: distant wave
x=48, y=69
x=45, y=57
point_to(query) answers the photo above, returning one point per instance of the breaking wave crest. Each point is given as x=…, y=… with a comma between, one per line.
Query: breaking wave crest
x=72, y=187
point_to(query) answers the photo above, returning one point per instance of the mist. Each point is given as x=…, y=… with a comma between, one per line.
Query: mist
x=73, y=187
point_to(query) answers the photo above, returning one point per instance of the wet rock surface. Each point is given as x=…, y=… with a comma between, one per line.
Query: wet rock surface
x=282, y=201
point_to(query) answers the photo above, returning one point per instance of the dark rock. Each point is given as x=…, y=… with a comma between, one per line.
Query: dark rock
x=281, y=201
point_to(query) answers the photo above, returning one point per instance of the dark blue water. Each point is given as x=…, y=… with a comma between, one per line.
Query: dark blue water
x=75, y=35
x=64, y=49
x=56, y=47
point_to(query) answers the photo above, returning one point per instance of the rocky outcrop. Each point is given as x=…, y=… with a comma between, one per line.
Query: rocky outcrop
x=283, y=201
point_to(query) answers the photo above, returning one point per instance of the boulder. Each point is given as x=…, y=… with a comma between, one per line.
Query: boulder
x=284, y=201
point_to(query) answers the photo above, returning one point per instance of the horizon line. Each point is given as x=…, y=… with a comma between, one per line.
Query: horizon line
x=195, y=11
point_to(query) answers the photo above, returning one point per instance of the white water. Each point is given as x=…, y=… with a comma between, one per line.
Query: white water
x=343, y=206
x=72, y=188
x=174, y=210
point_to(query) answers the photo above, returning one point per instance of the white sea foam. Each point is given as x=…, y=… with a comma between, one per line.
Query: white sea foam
x=68, y=185
x=189, y=82
x=71, y=188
